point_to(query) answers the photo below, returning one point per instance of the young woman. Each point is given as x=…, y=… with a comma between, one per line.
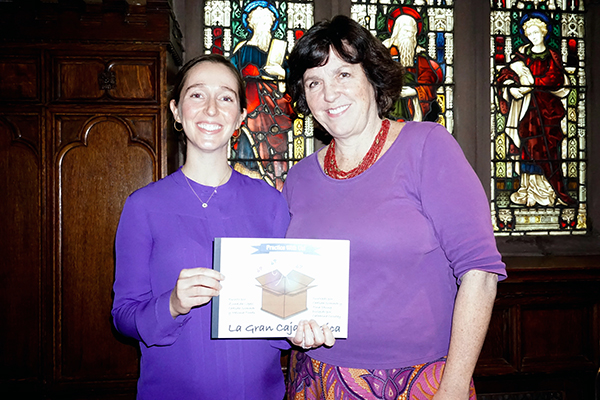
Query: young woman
x=164, y=279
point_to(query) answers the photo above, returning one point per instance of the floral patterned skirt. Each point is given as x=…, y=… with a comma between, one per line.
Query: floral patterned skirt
x=311, y=380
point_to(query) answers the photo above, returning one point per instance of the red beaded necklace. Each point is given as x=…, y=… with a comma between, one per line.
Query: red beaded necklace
x=330, y=165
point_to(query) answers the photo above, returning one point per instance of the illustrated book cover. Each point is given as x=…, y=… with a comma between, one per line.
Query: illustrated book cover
x=272, y=284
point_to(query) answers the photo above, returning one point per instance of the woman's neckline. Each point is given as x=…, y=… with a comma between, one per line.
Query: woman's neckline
x=184, y=177
x=380, y=158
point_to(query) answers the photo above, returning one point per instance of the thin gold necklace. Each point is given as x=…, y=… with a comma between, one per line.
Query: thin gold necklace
x=205, y=203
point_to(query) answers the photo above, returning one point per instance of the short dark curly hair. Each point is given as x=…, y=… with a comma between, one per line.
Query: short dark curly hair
x=355, y=45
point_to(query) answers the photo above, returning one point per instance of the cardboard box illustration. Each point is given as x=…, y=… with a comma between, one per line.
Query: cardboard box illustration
x=284, y=296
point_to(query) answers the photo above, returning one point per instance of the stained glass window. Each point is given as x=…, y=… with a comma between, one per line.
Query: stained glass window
x=419, y=34
x=257, y=36
x=538, y=103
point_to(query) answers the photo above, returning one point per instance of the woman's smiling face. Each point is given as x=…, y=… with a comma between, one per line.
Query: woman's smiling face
x=340, y=97
x=209, y=107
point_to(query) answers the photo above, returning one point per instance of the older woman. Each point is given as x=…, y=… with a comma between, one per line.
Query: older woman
x=164, y=279
x=424, y=264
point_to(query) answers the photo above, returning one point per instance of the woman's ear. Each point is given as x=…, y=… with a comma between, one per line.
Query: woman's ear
x=242, y=118
x=174, y=110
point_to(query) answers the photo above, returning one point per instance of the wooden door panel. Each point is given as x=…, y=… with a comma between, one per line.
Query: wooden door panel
x=96, y=174
x=20, y=78
x=134, y=80
x=556, y=336
x=106, y=79
x=543, y=337
x=79, y=79
x=497, y=354
x=20, y=247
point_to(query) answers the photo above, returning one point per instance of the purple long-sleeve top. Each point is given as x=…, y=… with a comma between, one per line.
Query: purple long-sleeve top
x=163, y=229
x=417, y=220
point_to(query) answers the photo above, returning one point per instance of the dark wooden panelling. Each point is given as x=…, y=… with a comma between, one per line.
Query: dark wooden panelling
x=20, y=246
x=143, y=129
x=82, y=79
x=556, y=337
x=135, y=80
x=79, y=79
x=83, y=109
x=97, y=21
x=95, y=176
x=570, y=385
x=70, y=156
x=523, y=396
x=497, y=355
x=543, y=338
x=20, y=78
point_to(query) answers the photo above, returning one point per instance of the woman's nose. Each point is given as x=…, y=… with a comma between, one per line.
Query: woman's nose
x=330, y=91
x=211, y=106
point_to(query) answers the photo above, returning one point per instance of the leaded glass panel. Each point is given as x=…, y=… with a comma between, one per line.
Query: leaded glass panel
x=538, y=103
x=257, y=36
x=420, y=35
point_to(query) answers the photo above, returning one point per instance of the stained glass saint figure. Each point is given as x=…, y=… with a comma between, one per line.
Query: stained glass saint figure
x=530, y=89
x=263, y=138
x=423, y=74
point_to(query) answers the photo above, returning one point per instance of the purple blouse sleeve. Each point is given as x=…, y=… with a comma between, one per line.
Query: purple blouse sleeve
x=281, y=217
x=137, y=312
x=455, y=202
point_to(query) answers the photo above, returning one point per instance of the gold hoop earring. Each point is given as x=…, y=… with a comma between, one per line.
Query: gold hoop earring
x=175, y=126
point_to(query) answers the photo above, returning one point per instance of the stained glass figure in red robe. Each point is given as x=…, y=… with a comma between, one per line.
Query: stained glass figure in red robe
x=530, y=90
x=263, y=139
x=423, y=74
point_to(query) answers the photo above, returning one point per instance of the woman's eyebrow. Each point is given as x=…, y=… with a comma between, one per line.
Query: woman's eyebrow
x=202, y=84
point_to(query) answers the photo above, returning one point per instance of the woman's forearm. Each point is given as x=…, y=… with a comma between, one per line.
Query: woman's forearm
x=472, y=313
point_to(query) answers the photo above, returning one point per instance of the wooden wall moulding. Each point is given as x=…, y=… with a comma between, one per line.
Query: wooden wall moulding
x=545, y=329
x=81, y=127
x=21, y=246
x=136, y=12
x=77, y=20
x=23, y=126
x=21, y=78
x=552, y=395
x=94, y=174
x=74, y=129
x=110, y=78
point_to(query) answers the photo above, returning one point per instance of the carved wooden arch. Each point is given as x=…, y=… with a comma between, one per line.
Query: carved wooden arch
x=17, y=137
x=94, y=173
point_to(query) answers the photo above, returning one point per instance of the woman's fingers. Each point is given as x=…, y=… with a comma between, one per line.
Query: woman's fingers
x=310, y=335
x=199, y=278
x=199, y=273
x=298, y=338
x=194, y=287
x=313, y=335
x=329, y=338
x=321, y=334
